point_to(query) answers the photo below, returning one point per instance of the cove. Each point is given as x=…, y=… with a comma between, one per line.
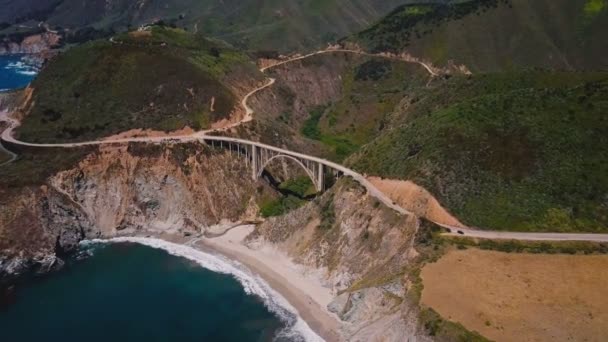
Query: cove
x=16, y=71
x=130, y=292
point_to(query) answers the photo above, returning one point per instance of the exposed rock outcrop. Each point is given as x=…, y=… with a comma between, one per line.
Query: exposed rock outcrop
x=363, y=250
x=33, y=44
x=118, y=191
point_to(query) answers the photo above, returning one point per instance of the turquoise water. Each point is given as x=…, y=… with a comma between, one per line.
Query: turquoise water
x=128, y=292
x=15, y=72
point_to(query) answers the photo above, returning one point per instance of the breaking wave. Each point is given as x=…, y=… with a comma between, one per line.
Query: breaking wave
x=22, y=68
x=296, y=328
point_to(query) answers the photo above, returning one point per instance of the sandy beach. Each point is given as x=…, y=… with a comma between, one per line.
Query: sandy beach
x=303, y=291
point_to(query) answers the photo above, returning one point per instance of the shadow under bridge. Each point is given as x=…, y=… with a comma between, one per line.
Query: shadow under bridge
x=259, y=156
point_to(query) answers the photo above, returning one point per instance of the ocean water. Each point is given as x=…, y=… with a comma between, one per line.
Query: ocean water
x=16, y=72
x=149, y=291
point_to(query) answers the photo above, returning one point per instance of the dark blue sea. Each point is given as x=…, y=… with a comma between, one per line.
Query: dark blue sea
x=16, y=71
x=131, y=292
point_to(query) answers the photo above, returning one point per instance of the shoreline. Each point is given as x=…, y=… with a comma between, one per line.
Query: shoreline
x=306, y=295
x=302, y=295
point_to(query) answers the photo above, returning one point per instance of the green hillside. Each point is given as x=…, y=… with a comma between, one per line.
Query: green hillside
x=284, y=25
x=162, y=79
x=493, y=35
x=513, y=151
x=371, y=89
x=331, y=104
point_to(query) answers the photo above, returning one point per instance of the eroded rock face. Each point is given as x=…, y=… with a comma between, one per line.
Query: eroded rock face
x=34, y=44
x=358, y=247
x=362, y=249
x=38, y=226
x=120, y=191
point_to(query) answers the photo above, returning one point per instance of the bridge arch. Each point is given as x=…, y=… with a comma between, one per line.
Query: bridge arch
x=310, y=173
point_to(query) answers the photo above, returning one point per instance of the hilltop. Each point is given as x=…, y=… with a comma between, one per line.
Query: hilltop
x=494, y=35
x=162, y=79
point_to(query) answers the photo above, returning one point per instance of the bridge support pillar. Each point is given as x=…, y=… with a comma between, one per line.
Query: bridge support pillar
x=254, y=162
x=320, y=178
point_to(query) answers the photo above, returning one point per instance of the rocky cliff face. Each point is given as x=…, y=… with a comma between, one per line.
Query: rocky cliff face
x=119, y=191
x=364, y=251
x=34, y=44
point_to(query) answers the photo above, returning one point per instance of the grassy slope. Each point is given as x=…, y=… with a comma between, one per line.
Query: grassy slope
x=295, y=25
x=491, y=35
x=516, y=151
x=101, y=88
x=370, y=92
x=334, y=128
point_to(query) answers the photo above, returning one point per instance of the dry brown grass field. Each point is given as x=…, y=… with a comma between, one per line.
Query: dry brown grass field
x=521, y=297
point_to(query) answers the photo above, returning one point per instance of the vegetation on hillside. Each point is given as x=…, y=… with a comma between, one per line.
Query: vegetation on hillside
x=514, y=151
x=294, y=192
x=161, y=79
x=33, y=167
x=370, y=92
x=284, y=25
x=492, y=35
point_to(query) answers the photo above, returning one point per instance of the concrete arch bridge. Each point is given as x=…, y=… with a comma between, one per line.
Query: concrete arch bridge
x=261, y=155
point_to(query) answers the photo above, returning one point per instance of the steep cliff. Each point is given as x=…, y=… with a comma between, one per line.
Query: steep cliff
x=122, y=190
x=364, y=251
x=367, y=254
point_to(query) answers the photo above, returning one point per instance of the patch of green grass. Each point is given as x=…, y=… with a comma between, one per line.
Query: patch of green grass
x=501, y=154
x=535, y=247
x=280, y=206
x=594, y=7
x=301, y=186
x=440, y=328
x=310, y=128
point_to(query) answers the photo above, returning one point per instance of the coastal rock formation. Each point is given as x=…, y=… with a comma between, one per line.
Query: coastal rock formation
x=120, y=190
x=33, y=44
x=363, y=250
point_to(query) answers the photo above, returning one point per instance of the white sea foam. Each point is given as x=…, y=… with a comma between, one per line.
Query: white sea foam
x=14, y=65
x=297, y=329
x=22, y=68
x=28, y=72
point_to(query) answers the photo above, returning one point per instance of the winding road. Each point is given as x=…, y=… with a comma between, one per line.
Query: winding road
x=7, y=136
x=362, y=53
